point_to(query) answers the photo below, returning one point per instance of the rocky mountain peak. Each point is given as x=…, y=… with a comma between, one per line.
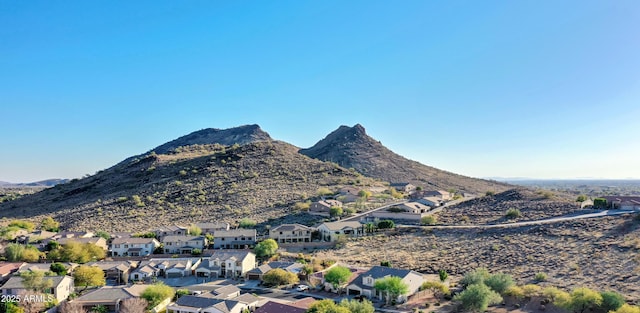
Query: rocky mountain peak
x=236, y=135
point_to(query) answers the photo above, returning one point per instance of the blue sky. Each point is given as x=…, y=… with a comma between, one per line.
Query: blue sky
x=541, y=89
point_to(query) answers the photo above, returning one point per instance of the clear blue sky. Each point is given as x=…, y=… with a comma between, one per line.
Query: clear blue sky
x=542, y=89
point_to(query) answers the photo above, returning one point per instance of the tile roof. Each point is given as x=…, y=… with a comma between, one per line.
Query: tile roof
x=133, y=240
x=113, y=293
x=15, y=282
x=291, y=227
x=342, y=225
x=240, y=232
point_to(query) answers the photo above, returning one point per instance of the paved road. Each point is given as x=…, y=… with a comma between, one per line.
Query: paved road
x=529, y=223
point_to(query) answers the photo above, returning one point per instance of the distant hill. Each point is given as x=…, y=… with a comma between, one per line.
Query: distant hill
x=351, y=147
x=42, y=183
x=203, y=176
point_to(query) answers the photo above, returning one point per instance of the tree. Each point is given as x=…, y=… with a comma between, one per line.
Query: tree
x=556, y=296
x=365, y=194
x=369, y=227
x=580, y=300
x=12, y=307
x=499, y=282
x=156, y=293
x=327, y=306
x=355, y=306
x=36, y=281
x=611, y=301
x=103, y=234
x=443, y=275
x=87, y=276
x=133, y=305
x=386, y=224
x=477, y=276
x=581, y=198
x=49, y=224
x=72, y=307
x=337, y=276
x=13, y=252
x=335, y=211
x=266, y=248
x=477, y=298
x=600, y=203
x=278, y=277
x=58, y=268
x=30, y=254
x=385, y=263
x=395, y=194
x=76, y=252
x=99, y=309
x=392, y=286
x=194, y=230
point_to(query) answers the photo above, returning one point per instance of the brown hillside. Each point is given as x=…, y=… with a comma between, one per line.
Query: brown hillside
x=351, y=147
x=258, y=180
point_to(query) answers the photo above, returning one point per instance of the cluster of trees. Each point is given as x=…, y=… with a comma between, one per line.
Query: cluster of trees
x=16, y=252
x=75, y=252
x=482, y=289
x=345, y=306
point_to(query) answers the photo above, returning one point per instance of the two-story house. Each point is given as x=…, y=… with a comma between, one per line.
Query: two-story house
x=117, y=271
x=227, y=263
x=331, y=231
x=211, y=227
x=172, y=230
x=291, y=233
x=165, y=267
x=403, y=187
x=365, y=283
x=234, y=239
x=61, y=287
x=133, y=246
x=183, y=244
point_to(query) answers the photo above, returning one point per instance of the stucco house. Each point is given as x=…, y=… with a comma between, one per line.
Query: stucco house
x=165, y=267
x=133, y=246
x=623, y=202
x=234, y=238
x=211, y=227
x=62, y=286
x=177, y=244
x=365, y=282
x=291, y=233
x=292, y=267
x=227, y=263
x=323, y=207
x=172, y=230
x=331, y=231
x=403, y=187
x=109, y=296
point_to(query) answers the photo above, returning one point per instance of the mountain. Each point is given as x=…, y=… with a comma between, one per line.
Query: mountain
x=351, y=147
x=237, y=135
x=208, y=175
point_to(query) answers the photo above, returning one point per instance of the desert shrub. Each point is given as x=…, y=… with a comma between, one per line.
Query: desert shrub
x=335, y=211
x=512, y=213
x=499, y=282
x=580, y=300
x=324, y=191
x=355, y=306
x=514, y=291
x=386, y=224
x=611, y=301
x=49, y=224
x=247, y=223
x=428, y=220
x=540, y=277
x=302, y=206
x=477, y=298
x=26, y=225
x=442, y=274
x=490, y=193
x=625, y=308
x=581, y=198
x=555, y=295
x=531, y=290
x=600, y=203
x=476, y=276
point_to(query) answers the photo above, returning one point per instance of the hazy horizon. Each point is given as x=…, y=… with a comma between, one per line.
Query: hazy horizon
x=482, y=89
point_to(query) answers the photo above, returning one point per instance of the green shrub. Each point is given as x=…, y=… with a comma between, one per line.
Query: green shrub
x=428, y=220
x=477, y=298
x=512, y=213
x=540, y=277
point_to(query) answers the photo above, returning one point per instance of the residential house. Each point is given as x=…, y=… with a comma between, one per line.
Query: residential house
x=45, y=267
x=37, y=238
x=133, y=246
x=195, y=304
x=98, y=241
x=258, y=272
x=61, y=287
x=331, y=231
x=109, y=296
x=173, y=230
x=74, y=234
x=348, y=194
x=234, y=238
x=319, y=280
x=440, y=194
x=413, y=207
x=403, y=187
x=409, y=211
x=165, y=267
x=211, y=227
x=227, y=263
x=299, y=306
x=623, y=202
x=225, y=292
x=431, y=201
x=291, y=233
x=177, y=244
x=323, y=207
x=8, y=268
x=117, y=271
x=365, y=282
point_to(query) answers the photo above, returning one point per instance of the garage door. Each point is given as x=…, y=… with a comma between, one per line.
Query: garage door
x=174, y=275
x=354, y=292
x=253, y=277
